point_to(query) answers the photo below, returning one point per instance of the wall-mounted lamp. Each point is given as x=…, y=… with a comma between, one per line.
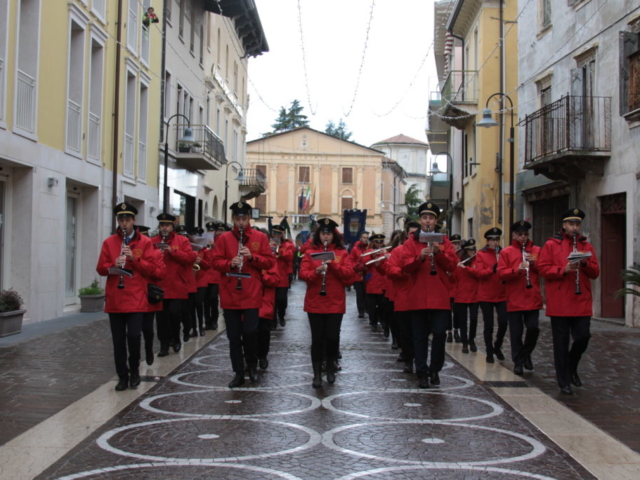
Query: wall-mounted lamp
x=52, y=182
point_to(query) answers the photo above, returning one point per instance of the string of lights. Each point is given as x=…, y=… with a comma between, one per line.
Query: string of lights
x=304, y=59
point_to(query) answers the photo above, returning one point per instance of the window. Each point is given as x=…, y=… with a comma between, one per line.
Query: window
x=142, y=132
x=192, y=33
x=347, y=203
x=94, y=137
x=218, y=49
x=27, y=62
x=303, y=174
x=235, y=78
x=129, y=124
x=4, y=25
x=545, y=13
x=347, y=175
x=167, y=9
x=226, y=64
x=167, y=94
x=75, y=88
x=629, y=73
x=183, y=7
x=132, y=26
x=261, y=203
x=201, y=44
x=470, y=227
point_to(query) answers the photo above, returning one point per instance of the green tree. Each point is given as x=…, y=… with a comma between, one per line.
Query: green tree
x=288, y=119
x=340, y=131
x=412, y=199
x=631, y=277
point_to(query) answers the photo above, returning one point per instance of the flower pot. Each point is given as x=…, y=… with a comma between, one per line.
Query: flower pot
x=11, y=322
x=92, y=303
x=184, y=149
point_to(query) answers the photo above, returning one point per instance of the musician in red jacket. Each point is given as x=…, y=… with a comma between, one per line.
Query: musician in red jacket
x=211, y=297
x=465, y=277
x=569, y=296
x=358, y=249
x=428, y=293
x=201, y=268
x=491, y=294
x=325, y=311
x=518, y=269
x=453, y=328
x=267, y=312
x=240, y=256
x=178, y=258
x=374, y=299
x=126, y=299
x=284, y=250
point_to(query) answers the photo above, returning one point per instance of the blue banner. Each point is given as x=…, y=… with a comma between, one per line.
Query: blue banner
x=354, y=223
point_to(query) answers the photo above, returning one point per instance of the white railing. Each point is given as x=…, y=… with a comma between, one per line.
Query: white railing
x=26, y=102
x=100, y=7
x=95, y=137
x=132, y=28
x=145, y=45
x=1, y=89
x=128, y=154
x=142, y=161
x=74, y=126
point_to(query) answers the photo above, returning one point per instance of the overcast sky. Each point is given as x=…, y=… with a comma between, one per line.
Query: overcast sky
x=391, y=96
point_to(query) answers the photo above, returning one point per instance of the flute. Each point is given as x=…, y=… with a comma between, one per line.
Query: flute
x=524, y=259
x=373, y=252
x=575, y=250
x=239, y=284
x=323, y=291
x=376, y=260
x=467, y=259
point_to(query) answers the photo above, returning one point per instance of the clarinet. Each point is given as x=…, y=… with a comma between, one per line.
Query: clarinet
x=575, y=249
x=239, y=284
x=323, y=292
x=431, y=258
x=524, y=259
x=125, y=242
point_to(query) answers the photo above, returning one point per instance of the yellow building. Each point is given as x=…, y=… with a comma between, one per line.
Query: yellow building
x=311, y=173
x=74, y=104
x=470, y=58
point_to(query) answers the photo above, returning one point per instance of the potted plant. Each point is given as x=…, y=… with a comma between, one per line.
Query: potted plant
x=184, y=147
x=10, y=312
x=91, y=298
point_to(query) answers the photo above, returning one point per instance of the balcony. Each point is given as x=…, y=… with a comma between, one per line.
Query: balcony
x=437, y=129
x=206, y=154
x=569, y=138
x=253, y=184
x=459, y=98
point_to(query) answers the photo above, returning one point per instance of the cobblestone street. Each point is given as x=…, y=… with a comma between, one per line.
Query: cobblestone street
x=372, y=423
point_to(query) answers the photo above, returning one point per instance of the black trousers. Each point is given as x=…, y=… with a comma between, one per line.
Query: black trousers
x=126, y=330
x=242, y=330
x=406, y=334
x=147, y=330
x=189, y=315
x=567, y=359
x=168, y=321
x=487, y=318
x=461, y=310
x=518, y=321
x=454, y=322
x=198, y=307
x=211, y=305
x=282, y=300
x=263, y=337
x=325, y=336
x=393, y=323
x=424, y=323
x=373, y=303
x=360, y=292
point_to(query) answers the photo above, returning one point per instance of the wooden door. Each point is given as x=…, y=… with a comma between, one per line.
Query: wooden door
x=612, y=263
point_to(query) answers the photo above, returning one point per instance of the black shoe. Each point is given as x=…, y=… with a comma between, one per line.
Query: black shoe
x=490, y=359
x=449, y=337
x=394, y=346
x=498, y=353
x=253, y=372
x=263, y=363
x=408, y=367
x=472, y=346
x=517, y=369
x=123, y=384
x=317, y=375
x=435, y=378
x=177, y=346
x=374, y=328
x=566, y=390
x=237, y=381
x=149, y=356
x=185, y=337
x=386, y=331
x=134, y=379
x=202, y=332
x=400, y=358
x=575, y=379
x=214, y=326
x=337, y=366
x=423, y=382
x=528, y=365
x=361, y=315
x=193, y=333
x=331, y=371
x=456, y=336
x=283, y=322
x=208, y=327
x=162, y=353
x=465, y=348
x=339, y=355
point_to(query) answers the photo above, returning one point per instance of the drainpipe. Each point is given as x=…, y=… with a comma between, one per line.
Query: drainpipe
x=501, y=160
x=116, y=117
x=163, y=89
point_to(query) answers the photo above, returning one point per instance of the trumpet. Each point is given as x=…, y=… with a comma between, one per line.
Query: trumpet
x=239, y=284
x=524, y=259
x=373, y=252
x=323, y=291
x=196, y=267
x=575, y=250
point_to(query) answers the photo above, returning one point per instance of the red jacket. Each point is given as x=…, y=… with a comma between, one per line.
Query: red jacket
x=357, y=250
x=466, y=281
x=491, y=289
x=146, y=267
x=226, y=249
x=374, y=276
x=428, y=291
x=339, y=274
x=307, y=245
x=270, y=279
x=520, y=298
x=560, y=288
x=284, y=260
x=399, y=279
x=202, y=276
x=179, y=261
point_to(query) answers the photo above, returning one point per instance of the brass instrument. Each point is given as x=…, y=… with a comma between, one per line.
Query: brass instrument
x=524, y=259
x=431, y=257
x=468, y=258
x=376, y=260
x=373, y=252
x=239, y=284
x=323, y=291
x=575, y=250
x=196, y=267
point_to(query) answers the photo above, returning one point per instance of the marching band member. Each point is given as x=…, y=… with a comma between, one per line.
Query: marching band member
x=453, y=329
x=211, y=313
x=325, y=311
x=284, y=249
x=428, y=294
x=360, y=247
x=188, y=306
x=178, y=257
x=374, y=299
x=126, y=299
x=518, y=268
x=390, y=291
x=569, y=296
x=267, y=313
x=466, y=294
x=201, y=267
x=242, y=251
x=491, y=294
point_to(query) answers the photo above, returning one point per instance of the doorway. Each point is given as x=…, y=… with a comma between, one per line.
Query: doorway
x=71, y=255
x=613, y=261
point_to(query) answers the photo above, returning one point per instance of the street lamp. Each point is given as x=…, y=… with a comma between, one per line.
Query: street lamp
x=187, y=139
x=488, y=121
x=239, y=178
x=434, y=170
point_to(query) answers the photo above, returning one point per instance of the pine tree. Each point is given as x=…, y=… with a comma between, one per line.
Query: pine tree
x=339, y=131
x=289, y=119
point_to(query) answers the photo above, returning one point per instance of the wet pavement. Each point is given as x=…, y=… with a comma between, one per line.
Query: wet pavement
x=372, y=423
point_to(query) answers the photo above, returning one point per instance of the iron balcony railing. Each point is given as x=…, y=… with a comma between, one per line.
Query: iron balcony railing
x=461, y=86
x=142, y=160
x=253, y=178
x=207, y=142
x=571, y=124
x=26, y=102
x=144, y=54
x=94, y=138
x=128, y=154
x=74, y=126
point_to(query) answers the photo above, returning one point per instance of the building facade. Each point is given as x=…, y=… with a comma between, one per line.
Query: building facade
x=580, y=116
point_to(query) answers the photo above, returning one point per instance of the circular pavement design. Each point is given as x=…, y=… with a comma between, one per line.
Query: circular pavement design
x=198, y=440
x=443, y=473
x=373, y=378
x=277, y=361
x=436, y=445
x=267, y=379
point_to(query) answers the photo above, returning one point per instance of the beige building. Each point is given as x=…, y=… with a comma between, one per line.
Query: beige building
x=311, y=173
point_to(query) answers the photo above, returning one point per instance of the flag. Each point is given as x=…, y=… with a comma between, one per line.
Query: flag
x=269, y=224
x=301, y=199
x=284, y=224
x=312, y=200
x=307, y=197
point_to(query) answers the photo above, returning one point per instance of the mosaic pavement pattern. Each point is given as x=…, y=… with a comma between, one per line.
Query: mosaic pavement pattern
x=373, y=423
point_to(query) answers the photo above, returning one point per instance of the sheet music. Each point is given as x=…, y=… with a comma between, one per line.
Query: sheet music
x=120, y=271
x=431, y=237
x=323, y=256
